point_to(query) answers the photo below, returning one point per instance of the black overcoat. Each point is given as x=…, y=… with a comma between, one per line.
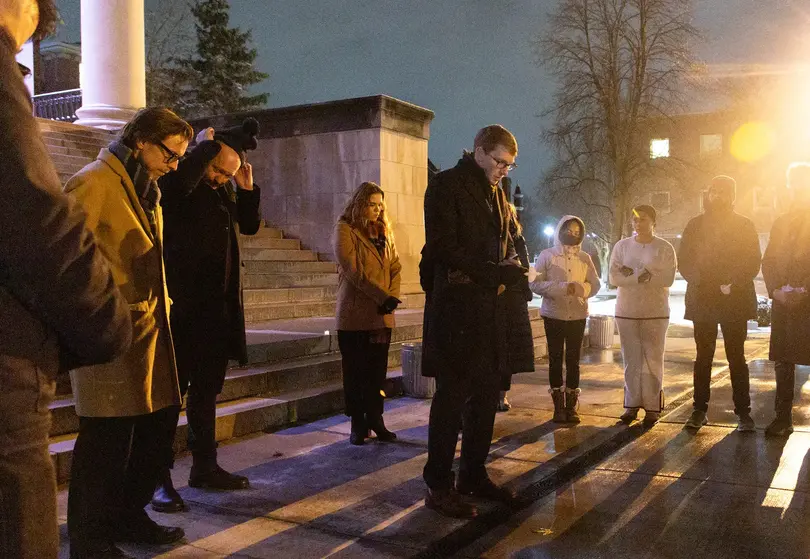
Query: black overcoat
x=466, y=236
x=787, y=262
x=719, y=248
x=201, y=251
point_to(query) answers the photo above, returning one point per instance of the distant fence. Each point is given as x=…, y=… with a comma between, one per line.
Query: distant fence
x=59, y=105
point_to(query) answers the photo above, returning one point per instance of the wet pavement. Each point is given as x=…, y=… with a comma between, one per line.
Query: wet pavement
x=600, y=489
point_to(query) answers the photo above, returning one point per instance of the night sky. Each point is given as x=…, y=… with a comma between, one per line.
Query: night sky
x=469, y=61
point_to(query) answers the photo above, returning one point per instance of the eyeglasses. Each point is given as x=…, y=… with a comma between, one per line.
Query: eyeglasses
x=503, y=165
x=171, y=156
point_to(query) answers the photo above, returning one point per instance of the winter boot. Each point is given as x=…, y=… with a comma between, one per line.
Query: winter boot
x=571, y=404
x=782, y=426
x=558, y=397
x=359, y=430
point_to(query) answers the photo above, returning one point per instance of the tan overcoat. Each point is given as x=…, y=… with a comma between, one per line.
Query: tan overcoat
x=144, y=379
x=366, y=280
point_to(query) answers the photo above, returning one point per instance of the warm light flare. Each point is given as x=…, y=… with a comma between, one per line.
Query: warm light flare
x=752, y=141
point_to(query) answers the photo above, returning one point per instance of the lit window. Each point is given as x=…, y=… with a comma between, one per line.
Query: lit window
x=659, y=148
x=711, y=145
x=660, y=201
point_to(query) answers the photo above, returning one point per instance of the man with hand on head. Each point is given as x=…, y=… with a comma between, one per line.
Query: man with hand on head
x=208, y=203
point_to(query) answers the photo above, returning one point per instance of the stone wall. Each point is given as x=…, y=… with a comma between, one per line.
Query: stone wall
x=312, y=157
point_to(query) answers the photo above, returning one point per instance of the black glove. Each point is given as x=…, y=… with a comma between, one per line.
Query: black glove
x=389, y=305
x=511, y=275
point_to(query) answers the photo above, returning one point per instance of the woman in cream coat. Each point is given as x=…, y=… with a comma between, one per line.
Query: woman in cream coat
x=368, y=292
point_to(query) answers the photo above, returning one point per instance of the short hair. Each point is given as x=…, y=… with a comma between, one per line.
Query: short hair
x=154, y=124
x=48, y=18
x=798, y=175
x=494, y=135
x=647, y=209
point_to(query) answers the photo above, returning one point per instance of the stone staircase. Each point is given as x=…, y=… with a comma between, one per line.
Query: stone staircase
x=294, y=370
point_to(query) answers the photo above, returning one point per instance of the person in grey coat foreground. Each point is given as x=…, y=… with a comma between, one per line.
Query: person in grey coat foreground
x=59, y=306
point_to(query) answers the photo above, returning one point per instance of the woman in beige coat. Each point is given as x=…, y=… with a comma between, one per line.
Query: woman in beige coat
x=368, y=292
x=125, y=407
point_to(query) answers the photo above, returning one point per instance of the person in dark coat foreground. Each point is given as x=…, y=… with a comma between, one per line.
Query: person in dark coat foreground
x=470, y=257
x=513, y=317
x=786, y=269
x=719, y=259
x=207, y=204
x=59, y=305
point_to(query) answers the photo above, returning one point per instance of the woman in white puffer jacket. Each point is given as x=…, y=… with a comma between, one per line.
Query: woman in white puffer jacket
x=566, y=278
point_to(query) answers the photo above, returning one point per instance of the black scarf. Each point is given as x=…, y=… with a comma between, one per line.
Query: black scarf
x=146, y=189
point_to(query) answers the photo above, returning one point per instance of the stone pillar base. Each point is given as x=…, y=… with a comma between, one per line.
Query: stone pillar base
x=107, y=117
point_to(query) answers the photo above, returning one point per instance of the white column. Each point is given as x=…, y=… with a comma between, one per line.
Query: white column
x=113, y=72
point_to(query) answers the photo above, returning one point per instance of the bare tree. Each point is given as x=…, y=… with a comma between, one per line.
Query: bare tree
x=169, y=37
x=620, y=65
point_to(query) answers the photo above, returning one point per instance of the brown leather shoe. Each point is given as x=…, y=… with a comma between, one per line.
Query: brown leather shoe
x=449, y=503
x=487, y=490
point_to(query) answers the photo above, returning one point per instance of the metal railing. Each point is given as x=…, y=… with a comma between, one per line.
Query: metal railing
x=59, y=105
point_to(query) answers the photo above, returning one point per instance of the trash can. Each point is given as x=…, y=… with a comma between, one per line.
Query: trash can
x=413, y=383
x=600, y=331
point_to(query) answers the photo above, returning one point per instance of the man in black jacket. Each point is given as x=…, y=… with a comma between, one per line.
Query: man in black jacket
x=719, y=258
x=204, y=216
x=59, y=306
x=470, y=257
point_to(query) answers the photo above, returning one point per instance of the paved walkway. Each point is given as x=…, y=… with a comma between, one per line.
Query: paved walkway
x=599, y=489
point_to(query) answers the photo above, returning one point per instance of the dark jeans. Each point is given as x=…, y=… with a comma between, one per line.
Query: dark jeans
x=734, y=334
x=466, y=404
x=564, y=338
x=28, y=526
x=785, y=384
x=364, y=368
x=117, y=462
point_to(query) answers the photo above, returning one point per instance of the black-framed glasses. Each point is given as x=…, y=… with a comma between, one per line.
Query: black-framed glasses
x=171, y=156
x=503, y=165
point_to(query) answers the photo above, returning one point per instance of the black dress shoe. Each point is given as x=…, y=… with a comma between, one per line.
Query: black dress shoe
x=359, y=430
x=449, y=503
x=166, y=498
x=485, y=489
x=217, y=479
x=143, y=529
x=377, y=425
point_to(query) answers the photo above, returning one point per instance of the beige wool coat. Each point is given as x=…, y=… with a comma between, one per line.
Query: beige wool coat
x=366, y=280
x=144, y=379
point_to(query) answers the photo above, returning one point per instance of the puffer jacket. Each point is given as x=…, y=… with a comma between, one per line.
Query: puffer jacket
x=557, y=267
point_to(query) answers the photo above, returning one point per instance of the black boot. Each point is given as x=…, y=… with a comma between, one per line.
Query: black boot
x=377, y=425
x=166, y=497
x=571, y=400
x=216, y=478
x=782, y=426
x=359, y=430
x=558, y=397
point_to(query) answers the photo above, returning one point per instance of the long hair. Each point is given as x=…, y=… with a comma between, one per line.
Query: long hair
x=513, y=219
x=354, y=212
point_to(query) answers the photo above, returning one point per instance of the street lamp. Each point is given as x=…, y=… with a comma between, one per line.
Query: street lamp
x=548, y=231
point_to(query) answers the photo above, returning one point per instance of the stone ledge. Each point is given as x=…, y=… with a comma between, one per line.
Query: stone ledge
x=377, y=111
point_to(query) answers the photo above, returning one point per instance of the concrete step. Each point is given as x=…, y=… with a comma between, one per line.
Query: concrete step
x=242, y=417
x=288, y=267
x=91, y=154
x=68, y=162
x=79, y=136
x=412, y=300
x=266, y=232
x=290, y=295
x=47, y=125
x=81, y=145
x=259, y=313
x=256, y=242
x=275, y=255
x=274, y=281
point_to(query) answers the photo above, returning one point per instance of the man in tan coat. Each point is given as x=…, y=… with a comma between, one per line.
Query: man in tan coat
x=123, y=406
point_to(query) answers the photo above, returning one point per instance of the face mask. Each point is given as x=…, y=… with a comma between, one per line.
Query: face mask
x=569, y=239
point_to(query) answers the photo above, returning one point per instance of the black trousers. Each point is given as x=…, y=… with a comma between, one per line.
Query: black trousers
x=364, y=357
x=466, y=404
x=564, y=339
x=734, y=334
x=116, y=465
x=785, y=385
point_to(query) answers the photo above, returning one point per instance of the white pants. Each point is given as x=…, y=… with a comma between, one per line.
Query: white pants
x=643, y=343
